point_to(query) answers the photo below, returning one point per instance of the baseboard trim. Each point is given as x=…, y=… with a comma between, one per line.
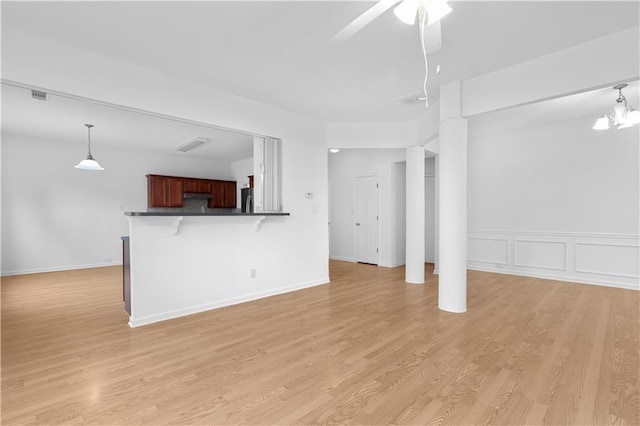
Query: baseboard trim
x=391, y=265
x=57, y=269
x=344, y=259
x=163, y=316
x=548, y=276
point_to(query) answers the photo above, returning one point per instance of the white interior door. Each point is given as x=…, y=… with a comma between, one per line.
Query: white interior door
x=429, y=219
x=367, y=220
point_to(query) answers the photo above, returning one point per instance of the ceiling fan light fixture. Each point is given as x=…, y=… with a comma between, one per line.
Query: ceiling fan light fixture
x=406, y=11
x=436, y=10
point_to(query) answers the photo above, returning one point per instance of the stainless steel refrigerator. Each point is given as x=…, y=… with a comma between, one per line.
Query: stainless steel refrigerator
x=247, y=200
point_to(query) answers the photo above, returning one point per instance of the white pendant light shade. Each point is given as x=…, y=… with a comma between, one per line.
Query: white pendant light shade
x=601, y=124
x=88, y=163
x=633, y=117
x=436, y=10
x=618, y=112
x=407, y=11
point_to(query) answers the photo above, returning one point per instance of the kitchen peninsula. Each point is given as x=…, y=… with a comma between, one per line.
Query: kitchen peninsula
x=181, y=264
x=189, y=256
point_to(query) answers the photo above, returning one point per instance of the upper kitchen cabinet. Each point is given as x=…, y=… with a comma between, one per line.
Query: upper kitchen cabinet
x=165, y=191
x=224, y=194
x=197, y=186
x=169, y=191
x=230, y=195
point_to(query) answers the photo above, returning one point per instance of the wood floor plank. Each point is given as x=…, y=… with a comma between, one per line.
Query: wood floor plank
x=365, y=349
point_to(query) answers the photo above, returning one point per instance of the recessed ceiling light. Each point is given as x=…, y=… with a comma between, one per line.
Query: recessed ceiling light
x=334, y=150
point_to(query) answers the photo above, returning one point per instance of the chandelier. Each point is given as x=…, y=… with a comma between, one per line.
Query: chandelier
x=622, y=115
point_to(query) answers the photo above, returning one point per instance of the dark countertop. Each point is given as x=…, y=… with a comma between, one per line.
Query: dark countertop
x=173, y=213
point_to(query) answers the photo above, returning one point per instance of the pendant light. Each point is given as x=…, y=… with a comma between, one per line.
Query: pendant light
x=88, y=163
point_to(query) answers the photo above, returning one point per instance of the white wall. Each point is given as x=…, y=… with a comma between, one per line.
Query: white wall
x=50, y=65
x=390, y=167
x=559, y=202
x=56, y=217
x=221, y=252
x=430, y=208
x=427, y=126
x=344, y=168
x=398, y=225
x=371, y=135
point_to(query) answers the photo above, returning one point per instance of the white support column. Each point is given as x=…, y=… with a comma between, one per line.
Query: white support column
x=452, y=167
x=414, y=265
x=436, y=264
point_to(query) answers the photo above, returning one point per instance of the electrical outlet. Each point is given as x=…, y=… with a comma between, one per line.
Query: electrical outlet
x=253, y=273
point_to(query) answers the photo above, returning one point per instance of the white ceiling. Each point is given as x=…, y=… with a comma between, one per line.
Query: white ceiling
x=62, y=118
x=281, y=53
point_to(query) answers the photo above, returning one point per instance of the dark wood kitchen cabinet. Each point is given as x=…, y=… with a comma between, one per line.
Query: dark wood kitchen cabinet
x=168, y=191
x=190, y=185
x=224, y=194
x=230, y=196
x=197, y=186
x=165, y=191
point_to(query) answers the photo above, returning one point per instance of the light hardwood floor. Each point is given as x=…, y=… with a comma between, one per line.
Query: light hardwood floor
x=365, y=349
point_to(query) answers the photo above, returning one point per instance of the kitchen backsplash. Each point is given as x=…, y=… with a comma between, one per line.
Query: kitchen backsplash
x=191, y=205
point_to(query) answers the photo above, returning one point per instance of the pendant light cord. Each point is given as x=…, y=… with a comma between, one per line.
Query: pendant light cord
x=422, y=18
x=89, y=126
x=89, y=135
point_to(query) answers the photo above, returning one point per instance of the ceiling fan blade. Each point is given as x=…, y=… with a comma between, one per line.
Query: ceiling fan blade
x=361, y=21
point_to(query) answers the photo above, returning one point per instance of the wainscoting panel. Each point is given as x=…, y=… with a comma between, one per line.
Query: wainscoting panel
x=489, y=250
x=608, y=259
x=540, y=254
x=603, y=259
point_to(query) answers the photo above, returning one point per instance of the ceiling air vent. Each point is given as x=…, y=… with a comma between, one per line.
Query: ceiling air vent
x=192, y=143
x=39, y=95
